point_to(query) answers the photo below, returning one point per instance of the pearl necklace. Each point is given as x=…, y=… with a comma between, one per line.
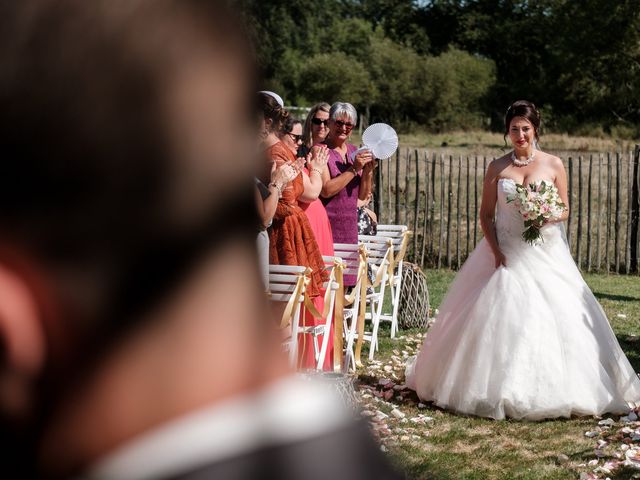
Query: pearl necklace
x=522, y=163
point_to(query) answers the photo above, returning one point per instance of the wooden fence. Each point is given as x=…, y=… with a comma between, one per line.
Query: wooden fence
x=438, y=196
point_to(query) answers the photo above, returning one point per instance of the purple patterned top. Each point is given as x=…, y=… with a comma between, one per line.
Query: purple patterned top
x=342, y=208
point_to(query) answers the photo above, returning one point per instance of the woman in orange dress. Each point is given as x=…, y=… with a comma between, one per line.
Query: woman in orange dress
x=291, y=136
x=291, y=239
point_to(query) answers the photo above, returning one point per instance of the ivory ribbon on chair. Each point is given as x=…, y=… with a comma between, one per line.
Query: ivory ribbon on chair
x=336, y=276
x=362, y=280
x=338, y=315
x=299, y=289
x=403, y=245
x=395, y=259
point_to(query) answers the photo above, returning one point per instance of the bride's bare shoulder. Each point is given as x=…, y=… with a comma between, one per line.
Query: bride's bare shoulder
x=550, y=159
x=498, y=165
x=553, y=163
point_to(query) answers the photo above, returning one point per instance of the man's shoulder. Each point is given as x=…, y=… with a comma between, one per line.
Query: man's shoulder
x=347, y=452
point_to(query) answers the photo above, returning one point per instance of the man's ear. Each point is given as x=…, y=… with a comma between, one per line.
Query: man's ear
x=22, y=338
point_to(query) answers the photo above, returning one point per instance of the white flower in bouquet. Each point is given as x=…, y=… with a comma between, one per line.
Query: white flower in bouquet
x=538, y=203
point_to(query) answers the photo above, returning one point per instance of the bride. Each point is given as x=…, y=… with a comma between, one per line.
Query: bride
x=519, y=333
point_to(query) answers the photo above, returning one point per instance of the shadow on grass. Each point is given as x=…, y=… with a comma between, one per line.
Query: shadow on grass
x=631, y=348
x=616, y=298
x=625, y=473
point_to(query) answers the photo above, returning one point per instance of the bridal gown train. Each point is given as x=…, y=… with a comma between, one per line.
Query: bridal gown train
x=526, y=341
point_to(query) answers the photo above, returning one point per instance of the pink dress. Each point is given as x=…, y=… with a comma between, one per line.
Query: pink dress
x=321, y=227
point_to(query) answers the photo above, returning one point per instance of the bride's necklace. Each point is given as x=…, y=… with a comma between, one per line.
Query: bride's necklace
x=522, y=163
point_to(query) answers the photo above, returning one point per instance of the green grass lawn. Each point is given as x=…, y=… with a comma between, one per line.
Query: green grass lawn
x=451, y=446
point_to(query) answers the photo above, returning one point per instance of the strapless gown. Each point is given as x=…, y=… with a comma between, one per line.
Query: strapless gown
x=525, y=341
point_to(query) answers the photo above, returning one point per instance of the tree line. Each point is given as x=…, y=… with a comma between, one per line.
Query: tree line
x=449, y=64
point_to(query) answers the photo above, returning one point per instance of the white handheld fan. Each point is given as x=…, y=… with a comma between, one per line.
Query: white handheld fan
x=381, y=139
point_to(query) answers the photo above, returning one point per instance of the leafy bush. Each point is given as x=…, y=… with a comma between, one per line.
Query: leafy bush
x=336, y=76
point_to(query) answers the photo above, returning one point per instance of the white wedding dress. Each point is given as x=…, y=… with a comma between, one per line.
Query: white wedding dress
x=525, y=341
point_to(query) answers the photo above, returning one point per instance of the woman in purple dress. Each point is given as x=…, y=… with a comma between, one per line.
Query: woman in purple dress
x=347, y=178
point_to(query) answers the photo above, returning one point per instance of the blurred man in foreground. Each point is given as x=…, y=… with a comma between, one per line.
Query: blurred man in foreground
x=134, y=343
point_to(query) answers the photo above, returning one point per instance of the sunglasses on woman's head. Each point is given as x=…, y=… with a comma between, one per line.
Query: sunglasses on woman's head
x=319, y=121
x=346, y=125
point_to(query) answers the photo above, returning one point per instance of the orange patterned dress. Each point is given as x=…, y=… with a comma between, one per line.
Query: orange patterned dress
x=291, y=239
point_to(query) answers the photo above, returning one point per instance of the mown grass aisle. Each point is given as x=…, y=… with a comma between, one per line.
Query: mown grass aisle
x=427, y=442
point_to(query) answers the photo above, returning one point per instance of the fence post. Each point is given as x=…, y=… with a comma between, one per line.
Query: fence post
x=397, y=222
x=432, y=205
x=388, y=218
x=606, y=252
x=468, y=206
x=449, y=197
x=475, y=202
x=617, y=224
x=571, y=206
x=441, y=231
x=377, y=197
x=635, y=212
x=425, y=225
x=407, y=175
x=415, y=210
x=579, y=217
x=627, y=242
x=589, y=233
x=600, y=205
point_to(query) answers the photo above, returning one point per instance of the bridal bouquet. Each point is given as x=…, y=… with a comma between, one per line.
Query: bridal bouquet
x=537, y=202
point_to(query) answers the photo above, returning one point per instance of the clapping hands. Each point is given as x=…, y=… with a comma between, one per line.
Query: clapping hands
x=284, y=173
x=317, y=157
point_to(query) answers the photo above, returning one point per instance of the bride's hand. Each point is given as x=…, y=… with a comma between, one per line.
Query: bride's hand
x=500, y=259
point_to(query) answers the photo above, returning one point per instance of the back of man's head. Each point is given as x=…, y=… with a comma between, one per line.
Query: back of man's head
x=125, y=149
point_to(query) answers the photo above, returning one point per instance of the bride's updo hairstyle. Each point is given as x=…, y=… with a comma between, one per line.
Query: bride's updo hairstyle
x=524, y=109
x=271, y=109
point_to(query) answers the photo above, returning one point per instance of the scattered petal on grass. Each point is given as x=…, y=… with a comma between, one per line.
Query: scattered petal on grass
x=607, y=422
x=397, y=413
x=587, y=476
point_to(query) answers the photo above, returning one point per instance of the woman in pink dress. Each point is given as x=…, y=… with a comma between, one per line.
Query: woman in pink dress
x=314, y=133
x=291, y=135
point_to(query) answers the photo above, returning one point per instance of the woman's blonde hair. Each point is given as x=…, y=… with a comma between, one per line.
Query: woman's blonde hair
x=307, y=138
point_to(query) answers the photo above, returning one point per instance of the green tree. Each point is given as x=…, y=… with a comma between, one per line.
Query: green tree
x=459, y=85
x=395, y=71
x=336, y=76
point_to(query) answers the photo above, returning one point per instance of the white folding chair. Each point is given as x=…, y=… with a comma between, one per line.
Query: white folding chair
x=399, y=235
x=379, y=254
x=288, y=284
x=331, y=288
x=354, y=263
